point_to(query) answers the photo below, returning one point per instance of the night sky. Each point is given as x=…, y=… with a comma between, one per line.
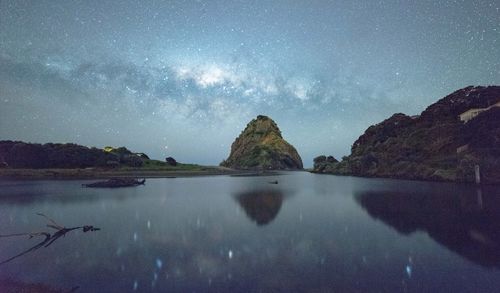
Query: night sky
x=183, y=78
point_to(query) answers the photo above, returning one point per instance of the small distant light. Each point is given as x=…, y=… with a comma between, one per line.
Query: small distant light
x=136, y=285
x=230, y=254
x=135, y=236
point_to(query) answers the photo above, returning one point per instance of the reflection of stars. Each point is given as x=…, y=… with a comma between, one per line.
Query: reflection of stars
x=408, y=270
x=159, y=263
x=409, y=267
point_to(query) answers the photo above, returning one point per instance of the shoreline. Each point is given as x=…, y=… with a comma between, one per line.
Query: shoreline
x=83, y=174
x=487, y=183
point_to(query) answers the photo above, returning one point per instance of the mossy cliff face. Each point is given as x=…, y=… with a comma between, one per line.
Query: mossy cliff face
x=260, y=146
x=436, y=145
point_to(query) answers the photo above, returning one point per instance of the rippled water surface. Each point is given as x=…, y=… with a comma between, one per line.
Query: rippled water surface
x=308, y=233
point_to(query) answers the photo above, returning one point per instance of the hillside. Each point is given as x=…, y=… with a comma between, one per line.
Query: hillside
x=436, y=145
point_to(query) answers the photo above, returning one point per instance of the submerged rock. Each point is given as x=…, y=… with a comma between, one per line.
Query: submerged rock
x=261, y=146
x=116, y=182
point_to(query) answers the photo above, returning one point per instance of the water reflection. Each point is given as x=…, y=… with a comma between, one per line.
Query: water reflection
x=261, y=206
x=466, y=222
x=10, y=285
x=67, y=192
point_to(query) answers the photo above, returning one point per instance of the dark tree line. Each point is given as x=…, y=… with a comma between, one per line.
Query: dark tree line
x=17, y=154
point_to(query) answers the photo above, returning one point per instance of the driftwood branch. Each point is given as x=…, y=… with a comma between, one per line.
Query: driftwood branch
x=54, y=224
x=49, y=238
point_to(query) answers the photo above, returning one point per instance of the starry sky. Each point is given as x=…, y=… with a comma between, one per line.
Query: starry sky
x=183, y=78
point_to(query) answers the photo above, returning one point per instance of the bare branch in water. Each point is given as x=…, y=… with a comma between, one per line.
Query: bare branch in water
x=49, y=238
x=31, y=235
x=54, y=224
x=37, y=246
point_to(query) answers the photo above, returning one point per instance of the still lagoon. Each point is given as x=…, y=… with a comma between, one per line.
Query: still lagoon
x=308, y=233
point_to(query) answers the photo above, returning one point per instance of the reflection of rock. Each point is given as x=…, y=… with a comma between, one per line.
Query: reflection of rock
x=261, y=206
x=467, y=223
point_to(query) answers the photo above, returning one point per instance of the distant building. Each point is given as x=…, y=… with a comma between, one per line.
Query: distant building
x=109, y=149
x=472, y=113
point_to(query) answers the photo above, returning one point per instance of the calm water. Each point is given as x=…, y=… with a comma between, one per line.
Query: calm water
x=311, y=233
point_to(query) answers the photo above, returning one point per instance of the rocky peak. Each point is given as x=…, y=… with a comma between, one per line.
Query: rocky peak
x=261, y=126
x=383, y=130
x=261, y=146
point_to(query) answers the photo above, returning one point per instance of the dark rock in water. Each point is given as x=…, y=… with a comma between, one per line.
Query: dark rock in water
x=444, y=143
x=322, y=162
x=260, y=146
x=117, y=182
x=171, y=161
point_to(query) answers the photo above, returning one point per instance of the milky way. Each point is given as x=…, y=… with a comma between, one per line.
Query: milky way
x=183, y=78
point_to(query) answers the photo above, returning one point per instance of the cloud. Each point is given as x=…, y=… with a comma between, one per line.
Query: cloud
x=190, y=85
x=300, y=89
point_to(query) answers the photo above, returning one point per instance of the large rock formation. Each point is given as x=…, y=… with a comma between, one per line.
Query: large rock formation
x=444, y=143
x=261, y=146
